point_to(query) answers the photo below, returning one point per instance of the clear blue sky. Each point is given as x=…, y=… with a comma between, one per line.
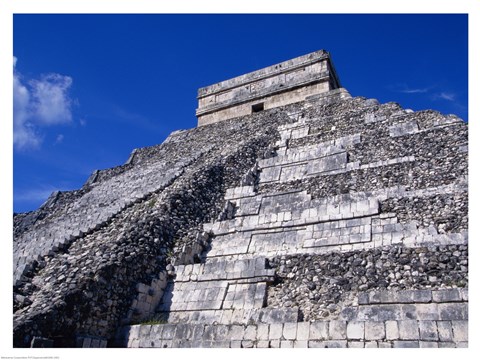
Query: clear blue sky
x=88, y=89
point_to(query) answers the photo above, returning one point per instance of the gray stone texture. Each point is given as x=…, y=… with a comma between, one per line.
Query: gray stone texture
x=319, y=330
x=290, y=331
x=337, y=329
x=408, y=329
x=428, y=330
x=329, y=222
x=391, y=330
x=356, y=330
x=374, y=330
x=460, y=330
x=303, y=331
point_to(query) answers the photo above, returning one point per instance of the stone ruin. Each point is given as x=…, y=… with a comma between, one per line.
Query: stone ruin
x=293, y=216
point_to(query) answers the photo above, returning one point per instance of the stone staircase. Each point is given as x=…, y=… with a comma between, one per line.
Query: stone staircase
x=222, y=302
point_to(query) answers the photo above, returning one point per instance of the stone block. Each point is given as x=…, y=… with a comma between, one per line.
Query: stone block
x=363, y=298
x=371, y=344
x=405, y=344
x=405, y=296
x=185, y=343
x=237, y=316
x=247, y=344
x=337, y=330
x=290, y=331
x=157, y=343
x=355, y=344
x=250, y=332
x=134, y=332
x=258, y=303
x=274, y=344
x=309, y=243
x=278, y=315
x=276, y=331
x=286, y=344
x=383, y=345
x=262, y=331
x=135, y=343
x=453, y=311
x=447, y=295
x=445, y=333
x=86, y=342
x=303, y=330
x=408, y=329
x=221, y=332
x=236, y=332
x=381, y=297
x=262, y=344
x=356, y=330
x=335, y=344
x=145, y=330
x=428, y=330
x=374, y=330
x=460, y=330
x=380, y=312
x=197, y=331
x=422, y=296
x=226, y=316
x=427, y=311
x=402, y=129
x=236, y=344
x=96, y=343
x=178, y=343
x=317, y=344
x=205, y=344
x=391, y=330
x=446, y=345
x=182, y=331
x=300, y=344
x=209, y=332
x=428, y=344
x=319, y=330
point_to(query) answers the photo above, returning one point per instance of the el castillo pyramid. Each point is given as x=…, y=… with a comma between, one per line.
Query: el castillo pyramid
x=294, y=215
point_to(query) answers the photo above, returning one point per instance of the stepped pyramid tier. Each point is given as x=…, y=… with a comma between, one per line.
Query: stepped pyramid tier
x=325, y=221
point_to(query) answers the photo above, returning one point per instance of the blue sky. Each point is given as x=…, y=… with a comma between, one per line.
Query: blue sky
x=88, y=89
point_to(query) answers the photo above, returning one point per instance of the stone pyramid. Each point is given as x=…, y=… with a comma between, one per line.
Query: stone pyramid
x=293, y=216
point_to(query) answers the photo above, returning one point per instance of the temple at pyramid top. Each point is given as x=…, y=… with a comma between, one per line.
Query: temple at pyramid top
x=277, y=85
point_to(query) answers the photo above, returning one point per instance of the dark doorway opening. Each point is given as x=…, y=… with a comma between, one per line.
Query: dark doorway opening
x=257, y=108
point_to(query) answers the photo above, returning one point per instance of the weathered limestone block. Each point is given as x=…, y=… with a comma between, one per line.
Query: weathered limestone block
x=356, y=330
